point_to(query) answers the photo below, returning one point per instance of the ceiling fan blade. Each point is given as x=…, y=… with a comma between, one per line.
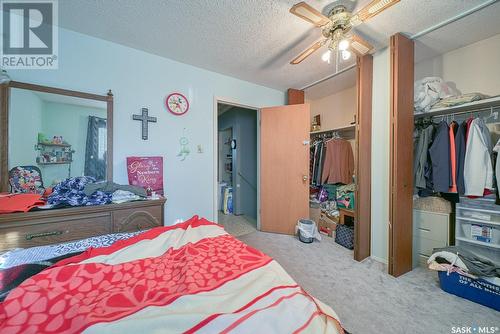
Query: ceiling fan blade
x=309, y=51
x=359, y=46
x=306, y=12
x=373, y=8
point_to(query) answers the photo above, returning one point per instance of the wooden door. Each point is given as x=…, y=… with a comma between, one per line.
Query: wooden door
x=401, y=154
x=362, y=226
x=284, y=167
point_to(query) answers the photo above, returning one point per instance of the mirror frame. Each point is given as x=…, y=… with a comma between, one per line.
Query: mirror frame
x=4, y=123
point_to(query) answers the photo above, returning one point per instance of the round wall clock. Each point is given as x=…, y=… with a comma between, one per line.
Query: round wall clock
x=177, y=104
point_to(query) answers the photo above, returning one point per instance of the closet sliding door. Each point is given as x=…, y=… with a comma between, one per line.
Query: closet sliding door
x=362, y=227
x=401, y=155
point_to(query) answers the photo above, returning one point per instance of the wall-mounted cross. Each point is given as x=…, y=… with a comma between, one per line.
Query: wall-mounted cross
x=144, y=118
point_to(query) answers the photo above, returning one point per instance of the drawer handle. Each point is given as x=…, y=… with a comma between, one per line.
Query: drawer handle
x=44, y=234
x=424, y=229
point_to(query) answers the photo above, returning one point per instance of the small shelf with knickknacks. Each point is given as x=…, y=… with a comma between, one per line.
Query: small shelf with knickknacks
x=53, y=152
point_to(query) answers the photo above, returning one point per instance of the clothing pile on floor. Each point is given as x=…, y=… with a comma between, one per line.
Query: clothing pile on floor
x=433, y=93
x=74, y=191
x=455, y=159
x=325, y=203
x=467, y=274
x=462, y=260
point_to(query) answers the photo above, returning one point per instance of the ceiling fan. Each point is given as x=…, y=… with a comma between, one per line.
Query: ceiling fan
x=336, y=28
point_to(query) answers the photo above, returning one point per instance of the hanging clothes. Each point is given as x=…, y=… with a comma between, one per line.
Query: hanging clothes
x=339, y=162
x=453, y=161
x=460, y=156
x=421, y=156
x=478, y=168
x=440, y=158
x=496, y=161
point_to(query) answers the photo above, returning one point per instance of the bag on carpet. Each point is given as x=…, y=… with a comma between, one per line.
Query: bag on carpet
x=344, y=236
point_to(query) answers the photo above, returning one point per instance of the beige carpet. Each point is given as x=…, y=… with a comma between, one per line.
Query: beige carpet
x=364, y=296
x=237, y=225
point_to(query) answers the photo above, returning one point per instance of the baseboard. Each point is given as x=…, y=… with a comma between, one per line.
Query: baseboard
x=378, y=259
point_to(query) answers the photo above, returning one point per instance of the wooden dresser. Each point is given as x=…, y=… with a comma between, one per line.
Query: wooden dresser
x=37, y=228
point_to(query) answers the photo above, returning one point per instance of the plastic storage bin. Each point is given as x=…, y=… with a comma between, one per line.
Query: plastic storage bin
x=476, y=290
x=478, y=226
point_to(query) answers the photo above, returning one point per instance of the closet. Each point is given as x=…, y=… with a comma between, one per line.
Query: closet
x=444, y=192
x=340, y=128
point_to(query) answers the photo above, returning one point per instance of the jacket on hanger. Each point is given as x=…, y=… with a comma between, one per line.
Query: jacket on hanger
x=440, y=158
x=460, y=156
x=478, y=168
x=338, y=164
x=420, y=160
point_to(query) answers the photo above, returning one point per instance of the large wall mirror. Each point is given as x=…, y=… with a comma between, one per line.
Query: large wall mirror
x=60, y=133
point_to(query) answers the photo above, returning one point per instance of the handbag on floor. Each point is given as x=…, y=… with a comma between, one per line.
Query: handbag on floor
x=344, y=236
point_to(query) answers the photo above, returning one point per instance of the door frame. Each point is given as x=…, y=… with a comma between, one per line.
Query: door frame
x=363, y=144
x=401, y=158
x=215, y=139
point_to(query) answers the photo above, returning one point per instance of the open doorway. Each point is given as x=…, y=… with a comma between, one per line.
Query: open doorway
x=237, y=172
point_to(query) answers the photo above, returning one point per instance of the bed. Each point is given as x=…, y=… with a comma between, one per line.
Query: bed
x=192, y=277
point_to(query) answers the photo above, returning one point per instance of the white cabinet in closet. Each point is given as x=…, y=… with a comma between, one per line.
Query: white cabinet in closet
x=478, y=226
x=430, y=230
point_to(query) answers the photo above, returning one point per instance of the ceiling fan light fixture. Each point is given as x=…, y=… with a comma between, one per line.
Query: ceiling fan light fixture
x=346, y=55
x=343, y=45
x=378, y=6
x=327, y=56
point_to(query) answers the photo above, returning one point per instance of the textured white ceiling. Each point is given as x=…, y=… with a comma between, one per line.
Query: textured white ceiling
x=253, y=40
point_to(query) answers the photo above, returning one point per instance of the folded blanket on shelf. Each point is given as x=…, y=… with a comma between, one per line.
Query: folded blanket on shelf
x=458, y=100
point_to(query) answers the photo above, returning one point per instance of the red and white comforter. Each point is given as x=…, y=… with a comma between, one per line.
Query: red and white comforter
x=191, y=277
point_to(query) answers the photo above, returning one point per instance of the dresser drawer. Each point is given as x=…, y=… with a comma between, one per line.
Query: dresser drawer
x=424, y=246
x=53, y=232
x=422, y=249
x=430, y=225
x=133, y=220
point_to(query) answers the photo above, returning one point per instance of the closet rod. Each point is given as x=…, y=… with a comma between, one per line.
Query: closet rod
x=471, y=111
x=329, y=77
x=453, y=19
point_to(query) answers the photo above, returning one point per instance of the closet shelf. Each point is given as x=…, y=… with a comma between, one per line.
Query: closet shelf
x=474, y=220
x=487, y=244
x=342, y=128
x=466, y=107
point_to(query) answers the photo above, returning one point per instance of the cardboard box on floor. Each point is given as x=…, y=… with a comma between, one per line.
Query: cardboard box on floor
x=327, y=224
x=314, y=214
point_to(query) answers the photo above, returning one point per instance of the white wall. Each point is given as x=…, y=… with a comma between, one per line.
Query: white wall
x=380, y=155
x=336, y=110
x=473, y=68
x=25, y=122
x=139, y=79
